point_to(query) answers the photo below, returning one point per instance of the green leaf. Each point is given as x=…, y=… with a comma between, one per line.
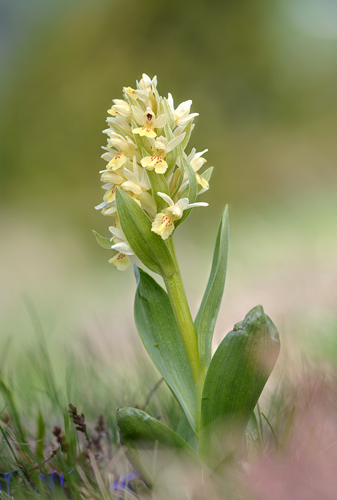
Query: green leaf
x=254, y=444
x=150, y=445
x=40, y=436
x=160, y=335
x=148, y=246
x=70, y=437
x=235, y=379
x=209, y=308
x=8, y=396
x=102, y=241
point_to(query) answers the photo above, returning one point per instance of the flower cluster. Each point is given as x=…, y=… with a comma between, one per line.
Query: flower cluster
x=145, y=156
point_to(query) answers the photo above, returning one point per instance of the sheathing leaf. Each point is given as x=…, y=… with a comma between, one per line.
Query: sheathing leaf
x=160, y=335
x=235, y=379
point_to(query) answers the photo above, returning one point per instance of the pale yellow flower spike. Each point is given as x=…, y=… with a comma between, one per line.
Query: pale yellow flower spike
x=162, y=128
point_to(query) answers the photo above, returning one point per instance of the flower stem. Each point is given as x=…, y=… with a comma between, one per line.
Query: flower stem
x=177, y=296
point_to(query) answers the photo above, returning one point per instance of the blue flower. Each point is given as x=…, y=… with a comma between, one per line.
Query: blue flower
x=122, y=485
x=52, y=479
x=7, y=476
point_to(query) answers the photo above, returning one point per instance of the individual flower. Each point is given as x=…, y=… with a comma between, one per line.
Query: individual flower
x=119, y=150
x=163, y=224
x=119, y=124
x=138, y=185
x=196, y=161
x=149, y=121
x=123, y=484
x=52, y=480
x=130, y=91
x=182, y=114
x=7, y=477
x=121, y=259
x=161, y=148
x=121, y=108
x=112, y=180
x=144, y=91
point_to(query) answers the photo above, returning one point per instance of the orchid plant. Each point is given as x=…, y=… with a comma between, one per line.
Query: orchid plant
x=151, y=183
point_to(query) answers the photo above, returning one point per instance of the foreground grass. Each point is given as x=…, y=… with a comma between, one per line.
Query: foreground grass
x=59, y=439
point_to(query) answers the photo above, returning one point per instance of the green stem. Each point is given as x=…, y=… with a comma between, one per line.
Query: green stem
x=182, y=314
x=178, y=300
x=177, y=296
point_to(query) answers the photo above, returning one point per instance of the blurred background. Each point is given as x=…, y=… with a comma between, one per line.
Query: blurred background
x=263, y=77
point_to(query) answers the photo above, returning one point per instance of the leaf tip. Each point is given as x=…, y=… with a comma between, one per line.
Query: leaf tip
x=137, y=273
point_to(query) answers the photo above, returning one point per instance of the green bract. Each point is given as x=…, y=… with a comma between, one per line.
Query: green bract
x=148, y=247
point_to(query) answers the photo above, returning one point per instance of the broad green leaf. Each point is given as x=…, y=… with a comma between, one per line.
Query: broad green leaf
x=186, y=432
x=150, y=445
x=235, y=379
x=148, y=246
x=209, y=308
x=102, y=241
x=159, y=332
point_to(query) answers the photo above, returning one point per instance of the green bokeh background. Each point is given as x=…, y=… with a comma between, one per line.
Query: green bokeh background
x=262, y=76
